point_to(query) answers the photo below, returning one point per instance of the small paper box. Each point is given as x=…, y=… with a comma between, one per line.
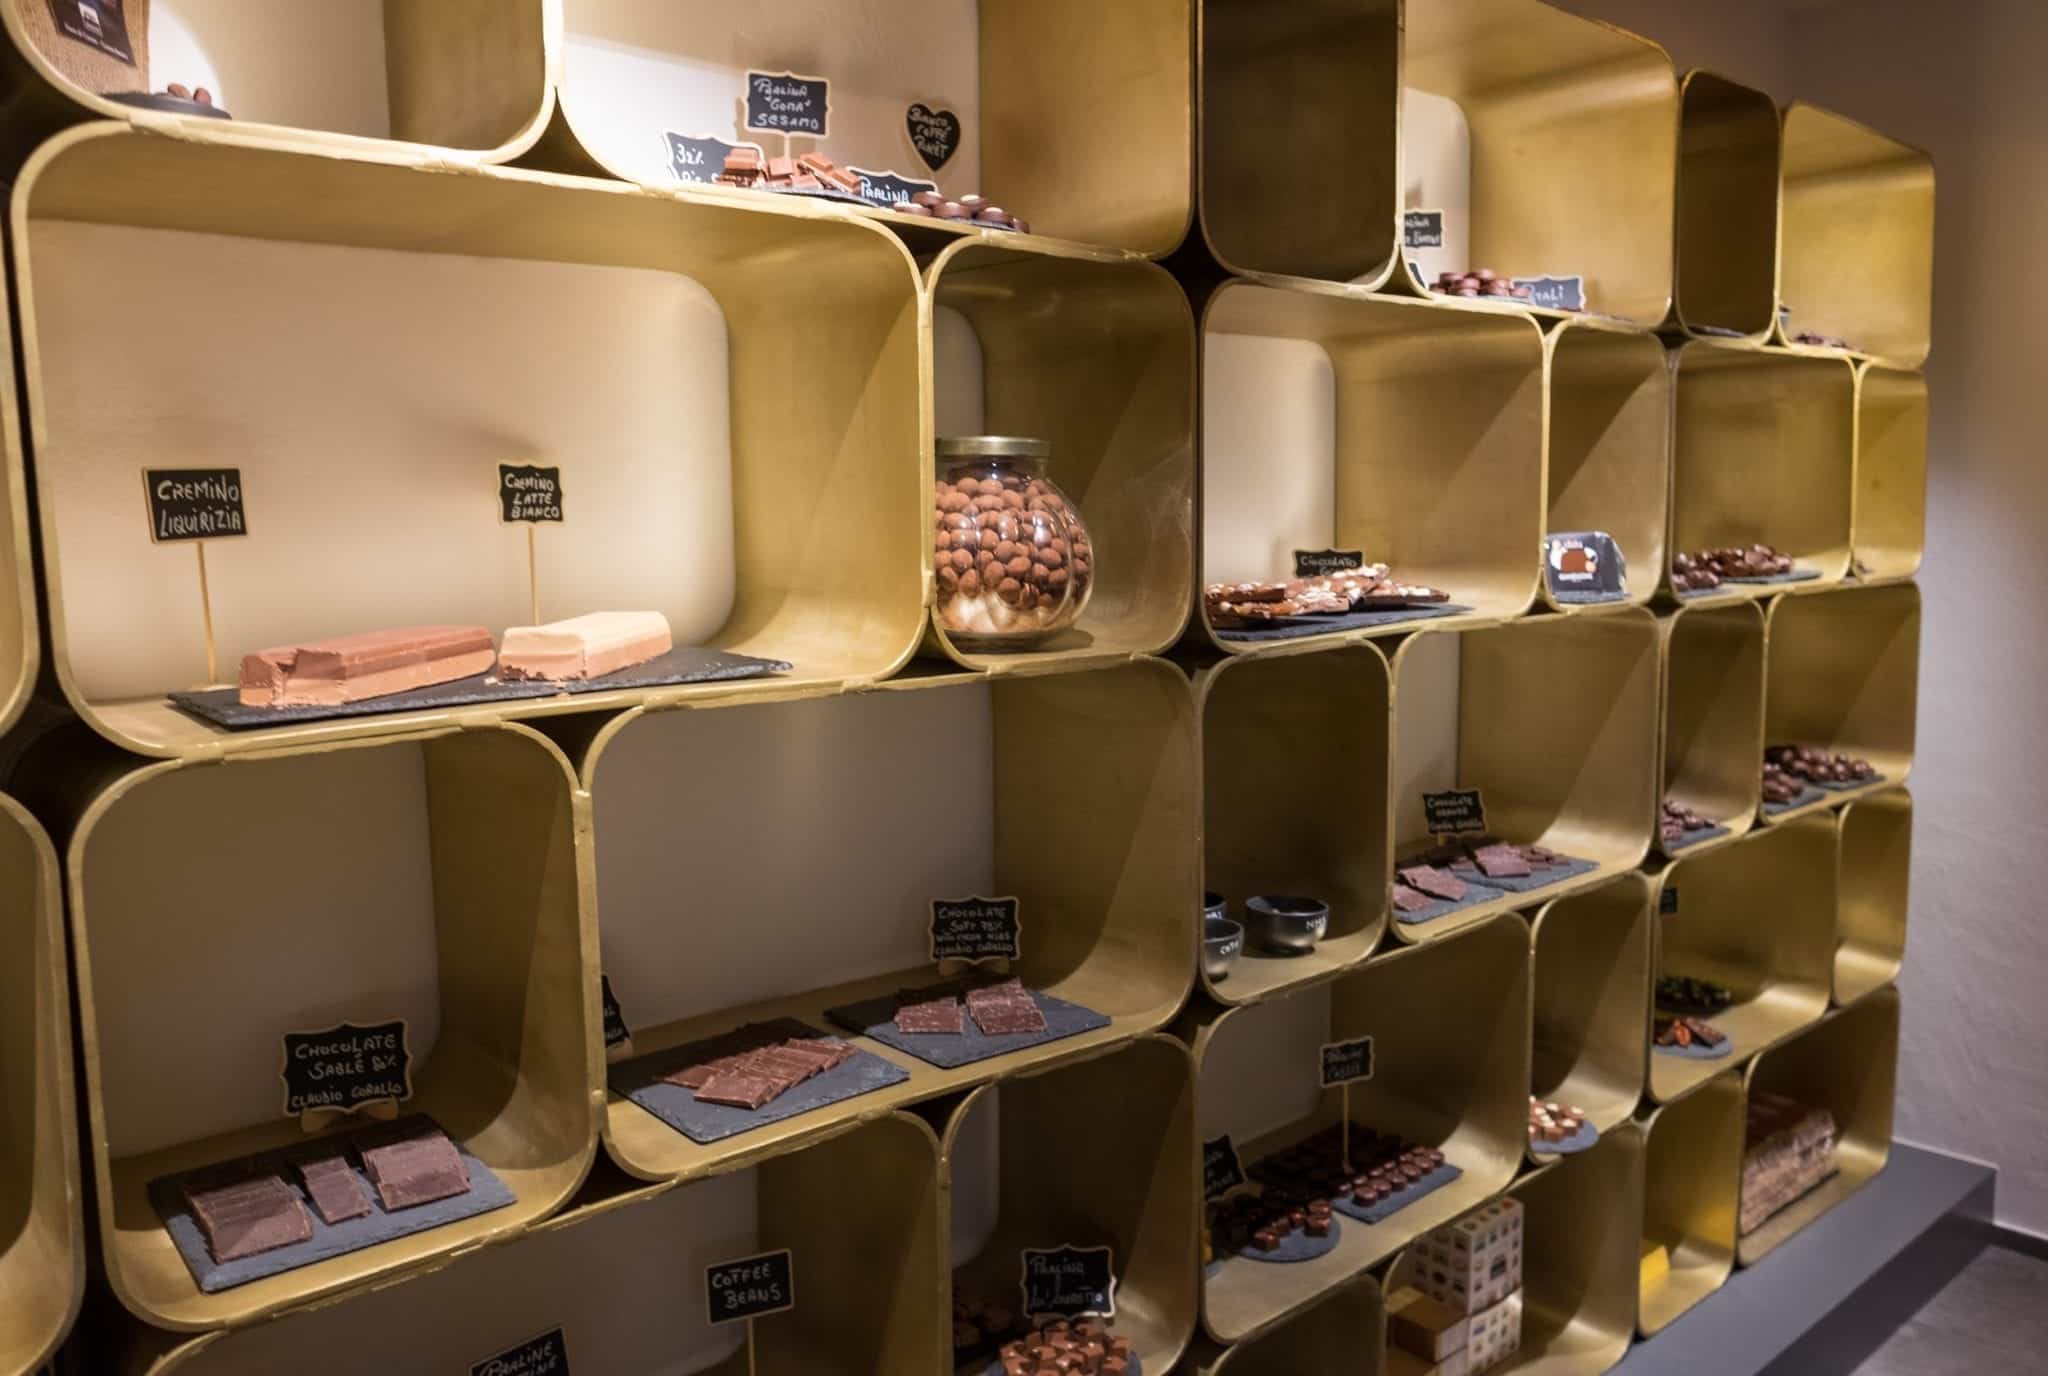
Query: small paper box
x=1494, y=1335
x=1401, y=1363
x=1428, y=1328
x=1475, y=1263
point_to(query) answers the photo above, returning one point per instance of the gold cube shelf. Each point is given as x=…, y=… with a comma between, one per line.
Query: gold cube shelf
x=621, y=1274
x=784, y=523
x=1844, y=675
x=469, y=76
x=1025, y=76
x=1711, y=748
x=1095, y=354
x=1408, y=431
x=1758, y=919
x=21, y=651
x=1727, y=271
x=1763, y=450
x=42, y=1243
x=1692, y=1168
x=1497, y=709
x=1277, y=731
x=1855, y=237
x=1888, y=528
x=1450, y=1026
x=436, y=878
x=1018, y=1175
x=1342, y=1334
x=1078, y=794
x=1847, y=1065
x=1607, y=456
x=1876, y=863
x=1590, y=976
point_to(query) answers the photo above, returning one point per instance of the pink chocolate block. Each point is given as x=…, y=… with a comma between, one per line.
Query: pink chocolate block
x=584, y=646
x=374, y=664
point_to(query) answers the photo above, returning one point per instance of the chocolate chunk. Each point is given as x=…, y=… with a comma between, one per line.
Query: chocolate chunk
x=929, y=1015
x=1433, y=881
x=247, y=1215
x=418, y=1165
x=334, y=1187
x=739, y=1089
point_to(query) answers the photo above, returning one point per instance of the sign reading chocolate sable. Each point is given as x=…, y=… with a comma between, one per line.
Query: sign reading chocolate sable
x=887, y=188
x=785, y=103
x=1454, y=811
x=1314, y=563
x=528, y=492
x=346, y=1067
x=694, y=159
x=1345, y=1063
x=545, y=1355
x=974, y=929
x=1222, y=1169
x=195, y=503
x=749, y=1287
x=1069, y=1282
x=1422, y=229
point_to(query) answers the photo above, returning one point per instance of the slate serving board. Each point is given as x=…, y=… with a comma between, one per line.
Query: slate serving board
x=1400, y=1199
x=1296, y=627
x=639, y=1079
x=876, y=1018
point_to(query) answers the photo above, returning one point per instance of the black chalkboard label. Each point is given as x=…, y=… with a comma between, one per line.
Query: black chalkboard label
x=1422, y=229
x=1313, y=563
x=697, y=160
x=1222, y=1170
x=1555, y=293
x=748, y=1287
x=615, y=1033
x=346, y=1067
x=1345, y=1063
x=1069, y=1282
x=1454, y=811
x=99, y=24
x=545, y=1355
x=195, y=503
x=935, y=134
x=785, y=103
x=887, y=188
x=976, y=928
x=1667, y=901
x=527, y=492
x=1583, y=562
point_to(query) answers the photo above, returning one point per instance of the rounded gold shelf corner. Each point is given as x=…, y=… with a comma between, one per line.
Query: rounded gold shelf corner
x=1727, y=264
x=1875, y=875
x=1590, y=975
x=1692, y=1169
x=1888, y=529
x=1607, y=454
x=1710, y=749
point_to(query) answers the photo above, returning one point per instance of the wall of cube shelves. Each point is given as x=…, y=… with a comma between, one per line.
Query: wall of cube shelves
x=436, y=238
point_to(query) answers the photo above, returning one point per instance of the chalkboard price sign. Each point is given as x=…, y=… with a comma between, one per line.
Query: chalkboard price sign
x=974, y=929
x=785, y=103
x=887, y=189
x=1667, y=901
x=1313, y=563
x=1556, y=293
x=749, y=1287
x=1422, y=229
x=935, y=134
x=1069, y=1282
x=1346, y=1063
x=527, y=492
x=1585, y=563
x=696, y=160
x=1454, y=811
x=615, y=1031
x=346, y=1067
x=195, y=503
x=545, y=1355
x=1222, y=1169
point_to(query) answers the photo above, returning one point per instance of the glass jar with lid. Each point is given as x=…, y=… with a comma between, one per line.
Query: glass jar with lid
x=1010, y=552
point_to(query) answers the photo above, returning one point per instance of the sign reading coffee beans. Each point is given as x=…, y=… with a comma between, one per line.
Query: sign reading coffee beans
x=1222, y=1168
x=974, y=929
x=935, y=134
x=1069, y=1282
x=1345, y=1063
x=1314, y=563
x=346, y=1067
x=1454, y=811
x=1422, y=229
x=195, y=503
x=545, y=1355
x=750, y=1287
x=696, y=160
x=1555, y=293
x=886, y=188
x=527, y=492
x=785, y=103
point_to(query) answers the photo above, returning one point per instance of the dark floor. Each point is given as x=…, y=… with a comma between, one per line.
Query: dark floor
x=1992, y=1317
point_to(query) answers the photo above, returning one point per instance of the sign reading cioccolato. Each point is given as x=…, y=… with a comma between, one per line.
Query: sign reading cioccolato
x=1314, y=563
x=1454, y=811
x=346, y=1067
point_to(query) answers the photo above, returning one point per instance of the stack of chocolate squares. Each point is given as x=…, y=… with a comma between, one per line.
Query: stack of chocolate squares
x=1081, y=1348
x=997, y=1009
x=756, y=1064
x=1421, y=886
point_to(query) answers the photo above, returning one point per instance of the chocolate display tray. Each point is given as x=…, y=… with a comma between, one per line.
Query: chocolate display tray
x=1400, y=1199
x=1296, y=1247
x=876, y=1018
x=486, y=1192
x=1568, y=598
x=684, y=664
x=1795, y=576
x=995, y=1368
x=1696, y=1052
x=1297, y=627
x=1812, y=794
x=640, y=1080
x=1845, y=785
x=1695, y=836
x=1475, y=893
x=1582, y=1140
x=1570, y=868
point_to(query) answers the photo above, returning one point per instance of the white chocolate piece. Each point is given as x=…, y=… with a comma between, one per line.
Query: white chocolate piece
x=582, y=647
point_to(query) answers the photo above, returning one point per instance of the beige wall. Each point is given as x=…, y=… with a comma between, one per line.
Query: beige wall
x=1964, y=80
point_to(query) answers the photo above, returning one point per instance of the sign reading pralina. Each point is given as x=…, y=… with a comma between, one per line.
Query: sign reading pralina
x=1346, y=1063
x=1069, y=1282
x=748, y=1287
x=785, y=103
x=346, y=1067
x=195, y=503
x=1422, y=229
x=545, y=1355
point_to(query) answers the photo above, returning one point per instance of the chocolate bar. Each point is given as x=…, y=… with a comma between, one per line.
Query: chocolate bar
x=417, y=1165
x=1434, y=882
x=739, y=1088
x=1502, y=862
x=242, y=1216
x=1410, y=900
x=1008, y=1007
x=373, y=664
x=583, y=647
x=334, y=1187
x=930, y=1015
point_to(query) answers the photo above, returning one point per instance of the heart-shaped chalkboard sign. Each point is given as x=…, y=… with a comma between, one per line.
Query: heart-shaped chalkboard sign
x=935, y=134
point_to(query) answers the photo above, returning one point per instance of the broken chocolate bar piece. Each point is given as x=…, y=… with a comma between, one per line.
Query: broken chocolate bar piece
x=1005, y=1008
x=940, y=1015
x=1434, y=882
x=1502, y=862
x=738, y=1088
x=583, y=647
x=1411, y=900
x=374, y=664
x=416, y=1165
x=247, y=1215
x=334, y=1187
